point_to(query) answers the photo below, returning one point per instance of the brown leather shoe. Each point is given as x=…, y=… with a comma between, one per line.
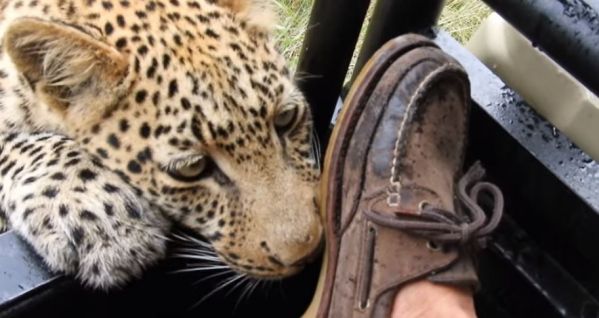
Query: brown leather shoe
x=393, y=187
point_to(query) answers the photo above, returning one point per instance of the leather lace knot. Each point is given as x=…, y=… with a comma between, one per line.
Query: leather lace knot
x=446, y=227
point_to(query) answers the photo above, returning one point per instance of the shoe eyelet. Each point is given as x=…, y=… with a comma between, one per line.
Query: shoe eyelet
x=393, y=200
x=423, y=204
x=433, y=246
x=363, y=305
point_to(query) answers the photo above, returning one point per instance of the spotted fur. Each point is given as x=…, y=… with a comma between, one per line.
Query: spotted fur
x=120, y=118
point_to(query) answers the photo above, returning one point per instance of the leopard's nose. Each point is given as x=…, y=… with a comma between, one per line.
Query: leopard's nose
x=312, y=255
x=306, y=249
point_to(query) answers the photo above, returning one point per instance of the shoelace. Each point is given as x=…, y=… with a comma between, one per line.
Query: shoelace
x=445, y=227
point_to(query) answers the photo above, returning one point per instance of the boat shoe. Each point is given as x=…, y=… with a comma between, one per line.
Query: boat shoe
x=396, y=203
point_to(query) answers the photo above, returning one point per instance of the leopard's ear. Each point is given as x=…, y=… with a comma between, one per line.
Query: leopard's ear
x=69, y=69
x=258, y=14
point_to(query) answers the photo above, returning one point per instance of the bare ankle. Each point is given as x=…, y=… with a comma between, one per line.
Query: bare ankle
x=423, y=299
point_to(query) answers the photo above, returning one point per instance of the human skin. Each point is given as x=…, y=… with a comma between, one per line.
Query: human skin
x=424, y=299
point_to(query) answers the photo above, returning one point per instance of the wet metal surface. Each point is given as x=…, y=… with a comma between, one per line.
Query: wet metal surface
x=594, y=4
x=567, y=30
x=563, y=293
x=21, y=270
x=546, y=143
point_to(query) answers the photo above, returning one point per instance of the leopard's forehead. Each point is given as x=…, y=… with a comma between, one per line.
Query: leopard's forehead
x=202, y=74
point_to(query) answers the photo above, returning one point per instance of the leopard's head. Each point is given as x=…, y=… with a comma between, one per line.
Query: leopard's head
x=190, y=102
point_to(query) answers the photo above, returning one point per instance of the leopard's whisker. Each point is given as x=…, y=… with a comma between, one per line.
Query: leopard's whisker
x=226, y=283
x=247, y=294
x=224, y=272
x=197, y=253
x=178, y=237
x=198, y=269
x=201, y=256
x=267, y=287
x=281, y=290
x=301, y=76
x=316, y=150
x=197, y=250
x=198, y=257
x=242, y=295
x=190, y=239
x=253, y=289
x=239, y=283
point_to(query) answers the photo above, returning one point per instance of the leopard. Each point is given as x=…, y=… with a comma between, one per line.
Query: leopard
x=123, y=120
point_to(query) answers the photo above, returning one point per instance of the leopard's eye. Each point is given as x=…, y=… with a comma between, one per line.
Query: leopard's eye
x=192, y=171
x=286, y=118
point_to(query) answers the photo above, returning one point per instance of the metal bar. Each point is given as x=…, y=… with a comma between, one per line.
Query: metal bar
x=551, y=186
x=391, y=18
x=560, y=289
x=22, y=271
x=572, y=166
x=567, y=30
x=332, y=34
